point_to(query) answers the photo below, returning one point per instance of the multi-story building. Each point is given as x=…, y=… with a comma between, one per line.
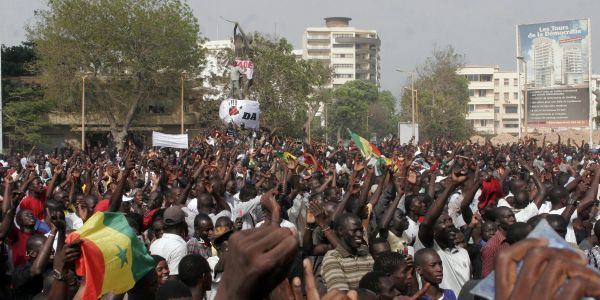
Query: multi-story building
x=543, y=61
x=572, y=63
x=493, y=99
x=352, y=53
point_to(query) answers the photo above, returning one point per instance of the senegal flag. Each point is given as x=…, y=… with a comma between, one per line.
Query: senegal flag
x=366, y=148
x=112, y=257
x=286, y=156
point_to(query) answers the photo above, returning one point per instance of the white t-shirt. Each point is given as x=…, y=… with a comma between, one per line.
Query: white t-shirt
x=284, y=223
x=570, y=237
x=412, y=230
x=521, y=215
x=456, y=264
x=172, y=248
x=212, y=262
x=73, y=221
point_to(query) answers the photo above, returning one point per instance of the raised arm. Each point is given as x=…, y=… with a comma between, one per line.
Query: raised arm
x=541, y=189
x=436, y=209
x=587, y=200
x=117, y=195
x=192, y=180
x=389, y=213
x=55, y=176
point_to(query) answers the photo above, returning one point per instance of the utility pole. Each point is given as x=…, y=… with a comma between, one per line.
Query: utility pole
x=83, y=112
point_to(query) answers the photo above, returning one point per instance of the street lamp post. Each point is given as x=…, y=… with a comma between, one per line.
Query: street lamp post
x=522, y=59
x=83, y=112
x=412, y=93
x=181, y=112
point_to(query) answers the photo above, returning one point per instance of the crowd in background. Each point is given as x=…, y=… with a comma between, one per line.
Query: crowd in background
x=254, y=215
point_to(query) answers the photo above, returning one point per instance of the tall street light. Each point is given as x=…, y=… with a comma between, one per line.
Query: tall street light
x=181, y=112
x=83, y=111
x=522, y=59
x=412, y=88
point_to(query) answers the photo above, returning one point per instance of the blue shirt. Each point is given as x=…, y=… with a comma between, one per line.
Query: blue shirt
x=446, y=295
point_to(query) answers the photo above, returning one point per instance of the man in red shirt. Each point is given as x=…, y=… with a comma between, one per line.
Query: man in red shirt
x=504, y=218
x=35, y=199
x=17, y=237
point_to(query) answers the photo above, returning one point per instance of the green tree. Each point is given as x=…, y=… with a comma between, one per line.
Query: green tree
x=18, y=60
x=442, y=97
x=351, y=106
x=383, y=119
x=289, y=90
x=24, y=108
x=133, y=50
x=25, y=115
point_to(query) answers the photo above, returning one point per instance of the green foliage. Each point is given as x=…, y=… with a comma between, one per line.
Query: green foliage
x=25, y=115
x=288, y=90
x=18, y=60
x=351, y=106
x=133, y=50
x=442, y=97
x=383, y=119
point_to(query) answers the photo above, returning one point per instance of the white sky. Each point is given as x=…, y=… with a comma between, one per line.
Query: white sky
x=483, y=30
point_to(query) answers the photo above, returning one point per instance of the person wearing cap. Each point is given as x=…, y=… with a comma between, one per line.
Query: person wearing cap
x=171, y=245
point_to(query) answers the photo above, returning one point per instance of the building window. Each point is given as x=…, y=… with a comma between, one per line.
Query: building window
x=471, y=93
x=516, y=96
x=343, y=65
x=511, y=125
x=496, y=96
x=497, y=109
x=471, y=107
x=485, y=77
x=482, y=93
x=343, y=45
x=505, y=96
x=511, y=109
x=472, y=77
x=496, y=82
x=342, y=35
x=506, y=80
x=483, y=123
x=342, y=55
x=516, y=82
x=342, y=75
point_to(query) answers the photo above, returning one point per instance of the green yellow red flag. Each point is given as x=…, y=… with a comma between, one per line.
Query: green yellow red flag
x=112, y=257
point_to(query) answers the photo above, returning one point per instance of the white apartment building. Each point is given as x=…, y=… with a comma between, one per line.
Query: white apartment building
x=493, y=99
x=352, y=53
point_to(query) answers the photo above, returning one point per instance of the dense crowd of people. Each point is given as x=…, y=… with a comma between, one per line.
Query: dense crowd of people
x=253, y=215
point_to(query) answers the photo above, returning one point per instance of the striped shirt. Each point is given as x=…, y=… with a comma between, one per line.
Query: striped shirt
x=491, y=249
x=343, y=270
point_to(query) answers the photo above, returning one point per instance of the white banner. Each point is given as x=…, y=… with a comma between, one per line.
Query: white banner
x=169, y=140
x=246, y=112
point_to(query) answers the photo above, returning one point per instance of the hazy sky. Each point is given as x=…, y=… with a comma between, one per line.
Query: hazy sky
x=483, y=30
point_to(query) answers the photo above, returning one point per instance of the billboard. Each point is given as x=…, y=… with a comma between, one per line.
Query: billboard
x=557, y=58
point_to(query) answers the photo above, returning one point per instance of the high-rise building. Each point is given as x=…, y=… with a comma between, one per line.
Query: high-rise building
x=543, y=61
x=352, y=53
x=572, y=63
x=493, y=99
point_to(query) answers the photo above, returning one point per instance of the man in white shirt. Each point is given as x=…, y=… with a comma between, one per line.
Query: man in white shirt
x=171, y=245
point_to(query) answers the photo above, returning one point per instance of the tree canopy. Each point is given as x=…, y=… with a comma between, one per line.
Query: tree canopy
x=442, y=97
x=357, y=100
x=132, y=51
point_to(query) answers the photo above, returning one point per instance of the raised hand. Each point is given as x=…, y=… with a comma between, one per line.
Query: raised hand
x=546, y=273
x=257, y=261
